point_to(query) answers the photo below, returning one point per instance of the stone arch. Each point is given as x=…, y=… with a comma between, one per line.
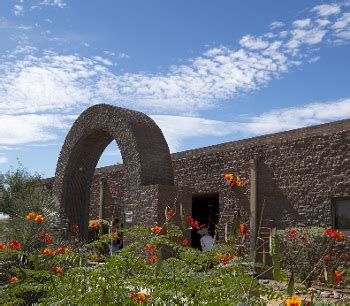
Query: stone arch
x=146, y=158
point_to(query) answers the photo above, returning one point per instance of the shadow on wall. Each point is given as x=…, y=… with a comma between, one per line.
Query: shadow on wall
x=278, y=207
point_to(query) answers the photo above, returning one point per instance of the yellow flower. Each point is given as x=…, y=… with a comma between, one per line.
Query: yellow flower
x=293, y=301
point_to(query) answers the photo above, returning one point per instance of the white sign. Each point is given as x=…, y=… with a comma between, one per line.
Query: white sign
x=128, y=216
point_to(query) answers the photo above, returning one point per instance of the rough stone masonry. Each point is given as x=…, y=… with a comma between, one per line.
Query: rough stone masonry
x=299, y=175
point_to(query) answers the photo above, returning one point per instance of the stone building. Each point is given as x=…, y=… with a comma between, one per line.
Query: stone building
x=302, y=177
x=297, y=178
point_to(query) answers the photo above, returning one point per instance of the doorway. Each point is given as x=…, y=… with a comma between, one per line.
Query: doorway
x=205, y=209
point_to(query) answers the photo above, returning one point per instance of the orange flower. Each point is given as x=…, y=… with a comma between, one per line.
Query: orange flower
x=47, y=251
x=39, y=218
x=327, y=257
x=142, y=297
x=170, y=213
x=293, y=301
x=56, y=269
x=242, y=228
x=2, y=247
x=14, y=245
x=59, y=270
x=132, y=295
x=153, y=258
x=156, y=229
x=150, y=247
x=338, y=276
x=14, y=279
x=30, y=216
x=185, y=242
x=61, y=250
x=226, y=258
x=93, y=224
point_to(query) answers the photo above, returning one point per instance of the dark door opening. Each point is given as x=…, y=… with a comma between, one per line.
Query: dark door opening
x=205, y=209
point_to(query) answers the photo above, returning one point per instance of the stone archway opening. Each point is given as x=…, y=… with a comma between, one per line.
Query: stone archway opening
x=146, y=158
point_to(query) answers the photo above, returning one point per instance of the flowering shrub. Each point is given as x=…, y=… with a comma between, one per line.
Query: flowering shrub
x=311, y=254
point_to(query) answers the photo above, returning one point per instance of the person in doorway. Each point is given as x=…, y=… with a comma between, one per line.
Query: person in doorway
x=116, y=240
x=206, y=240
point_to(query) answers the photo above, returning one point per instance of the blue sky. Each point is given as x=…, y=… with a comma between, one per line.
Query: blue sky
x=206, y=71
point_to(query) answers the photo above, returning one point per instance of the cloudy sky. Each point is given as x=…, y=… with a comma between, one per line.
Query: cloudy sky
x=207, y=71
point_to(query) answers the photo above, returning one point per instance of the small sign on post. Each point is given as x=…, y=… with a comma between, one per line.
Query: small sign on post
x=128, y=216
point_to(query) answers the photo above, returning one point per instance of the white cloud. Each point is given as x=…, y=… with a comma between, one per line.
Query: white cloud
x=302, y=23
x=276, y=24
x=5, y=24
x=327, y=9
x=311, y=36
x=53, y=82
x=177, y=129
x=18, y=9
x=103, y=60
x=3, y=160
x=314, y=59
x=20, y=129
x=58, y=3
x=252, y=42
x=296, y=117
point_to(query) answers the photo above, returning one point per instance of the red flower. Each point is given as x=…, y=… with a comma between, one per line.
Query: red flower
x=242, y=228
x=303, y=237
x=189, y=219
x=170, y=213
x=14, y=245
x=335, y=234
x=132, y=295
x=156, y=229
x=150, y=248
x=14, y=279
x=329, y=231
x=293, y=233
x=338, y=276
x=327, y=257
x=46, y=237
x=185, y=242
x=61, y=250
x=195, y=224
x=2, y=247
x=153, y=258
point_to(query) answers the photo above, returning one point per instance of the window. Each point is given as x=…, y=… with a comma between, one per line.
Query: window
x=341, y=213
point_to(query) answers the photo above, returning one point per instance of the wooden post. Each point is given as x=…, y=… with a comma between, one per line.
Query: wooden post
x=253, y=208
x=101, y=214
